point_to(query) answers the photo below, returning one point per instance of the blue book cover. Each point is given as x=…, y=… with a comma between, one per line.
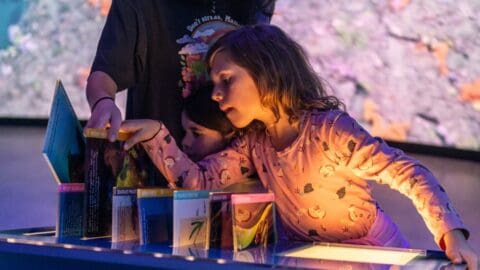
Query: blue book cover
x=64, y=144
x=124, y=215
x=70, y=210
x=155, y=214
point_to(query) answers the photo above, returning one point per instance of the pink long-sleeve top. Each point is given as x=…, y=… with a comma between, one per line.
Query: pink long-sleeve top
x=321, y=181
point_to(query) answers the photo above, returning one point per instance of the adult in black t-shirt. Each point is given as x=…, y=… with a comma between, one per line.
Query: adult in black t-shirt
x=146, y=44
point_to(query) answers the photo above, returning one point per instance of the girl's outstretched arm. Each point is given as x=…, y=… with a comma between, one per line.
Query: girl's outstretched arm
x=142, y=130
x=371, y=158
x=216, y=171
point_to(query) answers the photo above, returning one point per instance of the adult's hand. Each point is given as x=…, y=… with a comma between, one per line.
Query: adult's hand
x=101, y=90
x=106, y=114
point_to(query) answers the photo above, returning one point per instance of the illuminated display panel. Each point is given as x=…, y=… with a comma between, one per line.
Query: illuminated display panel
x=407, y=70
x=352, y=253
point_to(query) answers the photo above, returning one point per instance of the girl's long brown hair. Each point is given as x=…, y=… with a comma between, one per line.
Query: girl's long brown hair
x=279, y=67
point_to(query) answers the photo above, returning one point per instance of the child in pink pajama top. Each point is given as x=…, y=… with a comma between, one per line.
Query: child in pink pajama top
x=314, y=157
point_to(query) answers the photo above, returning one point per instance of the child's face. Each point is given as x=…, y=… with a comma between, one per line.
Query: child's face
x=236, y=92
x=200, y=141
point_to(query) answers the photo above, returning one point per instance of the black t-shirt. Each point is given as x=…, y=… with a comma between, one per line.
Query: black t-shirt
x=145, y=44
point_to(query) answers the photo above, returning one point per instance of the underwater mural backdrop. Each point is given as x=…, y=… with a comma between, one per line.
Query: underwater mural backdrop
x=407, y=70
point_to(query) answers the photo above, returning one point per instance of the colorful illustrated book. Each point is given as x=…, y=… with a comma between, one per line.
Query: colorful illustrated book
x=253, y=218
x=64, y=144
x=219, y=227
x=70, y=210
x=125, y=225
x=107, y=165
x=155, y=214
x=190, y=218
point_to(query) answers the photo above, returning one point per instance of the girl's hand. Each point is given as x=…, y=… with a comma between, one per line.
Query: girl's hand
x=142, y=129
x=458, y=250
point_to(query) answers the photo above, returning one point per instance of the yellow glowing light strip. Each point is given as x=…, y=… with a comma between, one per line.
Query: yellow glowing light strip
x=354, y=253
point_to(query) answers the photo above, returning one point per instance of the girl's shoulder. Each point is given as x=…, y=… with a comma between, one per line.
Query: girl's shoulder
x=338, y=121
x=319, y=117
x=247, y=140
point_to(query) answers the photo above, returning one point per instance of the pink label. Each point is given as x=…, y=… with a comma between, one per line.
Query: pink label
x=252, y=198
x=71, y=187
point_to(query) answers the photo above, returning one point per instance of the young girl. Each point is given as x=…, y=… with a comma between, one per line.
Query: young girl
x=314, y=157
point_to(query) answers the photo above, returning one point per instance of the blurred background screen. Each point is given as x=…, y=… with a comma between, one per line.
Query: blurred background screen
x=407, y=70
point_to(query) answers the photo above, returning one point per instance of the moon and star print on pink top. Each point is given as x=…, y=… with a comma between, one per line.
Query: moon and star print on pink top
x=321, y=181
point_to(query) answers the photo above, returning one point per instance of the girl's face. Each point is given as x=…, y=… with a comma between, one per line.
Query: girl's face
x=236, y=92
x=200, y=141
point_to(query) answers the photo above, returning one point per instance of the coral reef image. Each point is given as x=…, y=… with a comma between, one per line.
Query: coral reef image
x=407, y=70
x=42, y=41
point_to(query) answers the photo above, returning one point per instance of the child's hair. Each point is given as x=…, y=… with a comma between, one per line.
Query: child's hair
x=279, y=67
x=201, y=109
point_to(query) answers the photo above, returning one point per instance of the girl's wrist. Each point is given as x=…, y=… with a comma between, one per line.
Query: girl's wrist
x=452, y=236
x=160, y=124
x=455, y=233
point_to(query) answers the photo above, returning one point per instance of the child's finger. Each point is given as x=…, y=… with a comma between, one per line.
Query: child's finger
x=133, y=127
x=136, y=138
x=454, y=256
x=471, y=259
x=130, y=126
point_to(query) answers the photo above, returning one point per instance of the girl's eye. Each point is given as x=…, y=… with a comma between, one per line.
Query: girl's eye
x=225, y=81
x=196, y=134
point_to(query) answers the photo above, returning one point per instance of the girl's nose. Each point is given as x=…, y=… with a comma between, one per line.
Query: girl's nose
x=217, y=95
x=185, y=143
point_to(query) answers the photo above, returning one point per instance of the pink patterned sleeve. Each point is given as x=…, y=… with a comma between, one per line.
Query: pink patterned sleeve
x=349, y=145
x=216, y=171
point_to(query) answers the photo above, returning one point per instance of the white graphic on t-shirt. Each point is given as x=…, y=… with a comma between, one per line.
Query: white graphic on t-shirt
x=204, y=32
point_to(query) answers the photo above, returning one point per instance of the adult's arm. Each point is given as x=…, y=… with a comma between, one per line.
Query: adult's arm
x=118, y=63
x=101, y=91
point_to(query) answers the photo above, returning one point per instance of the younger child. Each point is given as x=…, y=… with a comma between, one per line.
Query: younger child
x=207, y=131
x=314, y=157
